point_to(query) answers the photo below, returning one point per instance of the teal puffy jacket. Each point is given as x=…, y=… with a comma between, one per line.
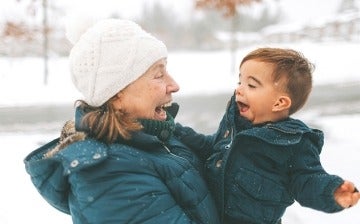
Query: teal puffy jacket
x=256, y=171
x=143, y=181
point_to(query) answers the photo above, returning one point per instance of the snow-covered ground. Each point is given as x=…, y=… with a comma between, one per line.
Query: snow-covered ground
x=21, y=79
x=21, y=84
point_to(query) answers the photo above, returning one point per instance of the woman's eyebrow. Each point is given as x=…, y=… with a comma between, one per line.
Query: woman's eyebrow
x=158, y=66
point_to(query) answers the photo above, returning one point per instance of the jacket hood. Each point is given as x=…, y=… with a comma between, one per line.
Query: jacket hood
x=50, y=175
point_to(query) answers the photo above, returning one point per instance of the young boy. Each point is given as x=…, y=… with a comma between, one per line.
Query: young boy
x=260, y=160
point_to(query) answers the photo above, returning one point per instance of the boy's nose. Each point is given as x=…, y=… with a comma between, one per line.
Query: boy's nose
x=239, y=90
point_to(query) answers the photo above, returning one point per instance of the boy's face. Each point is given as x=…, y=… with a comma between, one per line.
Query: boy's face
x=259, y=98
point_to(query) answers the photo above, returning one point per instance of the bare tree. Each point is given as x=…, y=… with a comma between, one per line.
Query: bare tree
x=45, y=40
x=32, y=10
x=229, y=8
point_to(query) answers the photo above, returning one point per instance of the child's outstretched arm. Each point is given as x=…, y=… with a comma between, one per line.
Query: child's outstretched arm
x=347, y=195
x=201, y=144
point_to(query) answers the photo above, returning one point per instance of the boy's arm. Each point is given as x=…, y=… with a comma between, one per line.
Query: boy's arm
x=310, y=184
x=201, y=144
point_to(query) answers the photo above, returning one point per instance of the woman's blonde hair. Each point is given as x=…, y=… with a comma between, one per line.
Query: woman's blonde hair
x=106, y=123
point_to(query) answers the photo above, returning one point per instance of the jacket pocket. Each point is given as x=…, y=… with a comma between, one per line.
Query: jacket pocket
x=256, y=197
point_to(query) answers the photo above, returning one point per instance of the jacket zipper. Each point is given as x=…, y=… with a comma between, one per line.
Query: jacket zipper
x=227, y=147
x=169, y=152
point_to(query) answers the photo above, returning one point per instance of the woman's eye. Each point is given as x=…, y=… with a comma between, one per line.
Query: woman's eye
x=251, y=86
x=159, y=75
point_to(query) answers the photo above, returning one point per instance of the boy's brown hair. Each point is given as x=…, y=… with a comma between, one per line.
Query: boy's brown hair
x=290, y=67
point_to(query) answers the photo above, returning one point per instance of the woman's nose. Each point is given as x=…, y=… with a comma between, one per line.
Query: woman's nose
x=172, y=85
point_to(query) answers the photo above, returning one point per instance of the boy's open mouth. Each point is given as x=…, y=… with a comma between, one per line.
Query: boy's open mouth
x=242, y=107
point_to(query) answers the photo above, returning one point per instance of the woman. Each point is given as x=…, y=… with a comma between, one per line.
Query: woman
x=118, y=162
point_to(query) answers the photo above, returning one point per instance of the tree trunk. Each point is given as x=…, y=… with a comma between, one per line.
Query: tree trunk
x=45, y=41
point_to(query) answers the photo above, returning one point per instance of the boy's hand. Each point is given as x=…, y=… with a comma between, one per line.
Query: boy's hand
x=347, y=195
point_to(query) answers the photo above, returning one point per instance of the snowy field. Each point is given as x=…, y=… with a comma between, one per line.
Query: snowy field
x=198, y=73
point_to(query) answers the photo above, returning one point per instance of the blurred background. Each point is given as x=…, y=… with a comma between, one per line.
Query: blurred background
x=206, y=40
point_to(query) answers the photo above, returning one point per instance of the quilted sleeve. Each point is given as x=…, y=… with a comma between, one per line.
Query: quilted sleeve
x=201, y=144
x=311, y=185
x=47, y=176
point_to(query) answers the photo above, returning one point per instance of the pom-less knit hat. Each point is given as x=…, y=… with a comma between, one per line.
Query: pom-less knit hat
x=109, y=55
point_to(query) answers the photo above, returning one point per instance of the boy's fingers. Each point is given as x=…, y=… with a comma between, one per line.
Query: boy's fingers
x=349, y=186
x=346, y=186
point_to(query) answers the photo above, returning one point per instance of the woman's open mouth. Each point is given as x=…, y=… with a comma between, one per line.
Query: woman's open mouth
x=160, y=112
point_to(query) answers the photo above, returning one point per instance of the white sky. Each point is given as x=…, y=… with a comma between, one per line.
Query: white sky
x=127, y=8
x=303, y=11
x=297, y=11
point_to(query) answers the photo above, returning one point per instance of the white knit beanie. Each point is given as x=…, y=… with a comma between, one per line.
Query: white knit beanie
x=109, y=55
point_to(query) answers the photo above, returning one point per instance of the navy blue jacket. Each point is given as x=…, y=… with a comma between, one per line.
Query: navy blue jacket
x=256, y=171
x=141, y=181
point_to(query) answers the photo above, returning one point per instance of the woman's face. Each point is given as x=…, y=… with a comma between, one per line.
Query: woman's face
x=146, y=97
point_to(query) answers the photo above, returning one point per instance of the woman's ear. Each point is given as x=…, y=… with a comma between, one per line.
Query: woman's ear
x=117, y=101
x=283, y=103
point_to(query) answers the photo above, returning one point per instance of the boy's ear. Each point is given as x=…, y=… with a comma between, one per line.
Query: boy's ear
x=283, y=103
